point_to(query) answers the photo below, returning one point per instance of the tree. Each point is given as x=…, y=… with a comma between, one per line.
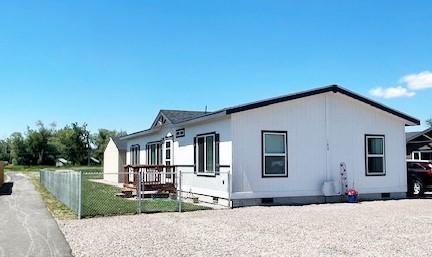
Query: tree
x=71, y=141
x=4, y=151
x=429, y=122
x=101, y=139
x=18, y=151
x=40, y=150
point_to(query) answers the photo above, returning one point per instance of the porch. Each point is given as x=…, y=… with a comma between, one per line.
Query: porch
x=156, y=180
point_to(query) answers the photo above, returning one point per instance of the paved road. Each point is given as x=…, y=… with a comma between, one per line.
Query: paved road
x=26, y=226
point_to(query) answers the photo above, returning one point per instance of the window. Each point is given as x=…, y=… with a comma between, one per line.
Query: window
x=421, y=155
x=274, y=154
x=168, y=157
x=375, y=155
x=426, y=156
x=134, y=154
x=205, y=152
x=154, y=153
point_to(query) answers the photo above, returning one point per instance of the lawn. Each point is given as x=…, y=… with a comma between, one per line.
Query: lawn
x=100, y=200
x=31, y=168
x=57, y=208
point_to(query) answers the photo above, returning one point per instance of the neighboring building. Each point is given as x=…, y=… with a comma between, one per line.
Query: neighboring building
x=280, y=150
x=114, y=160
x=419, y=145
x=60, y=162
x=94, y=161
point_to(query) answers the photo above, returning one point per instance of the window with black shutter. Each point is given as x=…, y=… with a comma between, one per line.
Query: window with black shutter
x=134, y=154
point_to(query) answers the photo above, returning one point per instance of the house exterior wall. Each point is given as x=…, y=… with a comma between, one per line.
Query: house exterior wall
x=350, y=120
x=111, y=162
x=323, y=131
x=183, y=156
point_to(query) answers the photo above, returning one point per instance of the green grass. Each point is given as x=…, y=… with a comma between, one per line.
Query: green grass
x=100, y=200
x=31, y=168
x=57, y=208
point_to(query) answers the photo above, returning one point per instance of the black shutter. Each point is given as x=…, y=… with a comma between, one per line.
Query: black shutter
x=217, y=168
x=148, y=154
x=160, y=153
x=194, y=154
x=138, y=155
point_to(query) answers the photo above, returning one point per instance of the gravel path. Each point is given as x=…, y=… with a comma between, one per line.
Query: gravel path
x=381, y=228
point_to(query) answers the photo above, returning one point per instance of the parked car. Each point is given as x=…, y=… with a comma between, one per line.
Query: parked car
x=419, y=177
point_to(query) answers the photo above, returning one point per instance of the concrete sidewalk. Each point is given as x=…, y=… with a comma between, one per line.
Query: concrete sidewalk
x=26, y=226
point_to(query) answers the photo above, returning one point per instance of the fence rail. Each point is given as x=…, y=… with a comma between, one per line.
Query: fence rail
x=88, y=194
x=65, y=186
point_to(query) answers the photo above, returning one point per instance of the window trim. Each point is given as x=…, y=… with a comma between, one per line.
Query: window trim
x=263, y=154
x=133, y=148
x=158, y=152
x=367, y=155
x=205, y=173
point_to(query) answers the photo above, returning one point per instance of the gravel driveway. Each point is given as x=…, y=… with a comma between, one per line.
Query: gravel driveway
x=380, y=228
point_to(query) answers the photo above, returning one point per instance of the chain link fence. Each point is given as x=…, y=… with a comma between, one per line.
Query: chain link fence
x=91, y=194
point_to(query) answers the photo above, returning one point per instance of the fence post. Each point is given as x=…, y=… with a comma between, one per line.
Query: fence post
x=139, y=182
x=79, y=194
x=229, y=189
x=179, y=190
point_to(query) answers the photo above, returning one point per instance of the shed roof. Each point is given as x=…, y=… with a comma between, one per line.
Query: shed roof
x=121, y=144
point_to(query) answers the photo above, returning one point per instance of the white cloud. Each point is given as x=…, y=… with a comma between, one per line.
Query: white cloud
x=391, y=92
x=418, y=81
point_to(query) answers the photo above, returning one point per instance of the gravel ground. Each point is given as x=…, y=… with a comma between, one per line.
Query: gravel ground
x=380, y=228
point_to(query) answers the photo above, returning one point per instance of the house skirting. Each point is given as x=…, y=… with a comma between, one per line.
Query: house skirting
x=302, y=200
x=297, y=200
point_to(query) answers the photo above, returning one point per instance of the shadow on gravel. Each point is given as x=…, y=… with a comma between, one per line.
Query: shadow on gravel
x=6, y=188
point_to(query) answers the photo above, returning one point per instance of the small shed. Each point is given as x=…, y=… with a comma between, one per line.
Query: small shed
x=94, y=161
x=60, y=162
x=114, y=160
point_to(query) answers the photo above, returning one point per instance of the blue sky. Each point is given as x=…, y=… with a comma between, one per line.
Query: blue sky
x=114, y=64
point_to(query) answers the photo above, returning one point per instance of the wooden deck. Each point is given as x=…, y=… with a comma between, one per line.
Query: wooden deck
x=158, y=178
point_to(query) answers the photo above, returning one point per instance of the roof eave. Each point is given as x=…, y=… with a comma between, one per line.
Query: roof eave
x=411, y=121
x=142, y=133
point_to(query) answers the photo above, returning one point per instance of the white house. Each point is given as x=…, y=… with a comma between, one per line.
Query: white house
x=286, y=149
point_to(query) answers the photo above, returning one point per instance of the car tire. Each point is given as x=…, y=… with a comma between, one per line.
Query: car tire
x=415, y=187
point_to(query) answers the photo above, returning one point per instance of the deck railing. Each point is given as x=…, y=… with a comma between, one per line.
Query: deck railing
x=153, y=177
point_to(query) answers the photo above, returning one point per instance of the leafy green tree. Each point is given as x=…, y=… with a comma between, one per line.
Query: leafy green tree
x=4, y=151
x=18, y=151
x=40, y=150
x=101, y=139
x=72, y=143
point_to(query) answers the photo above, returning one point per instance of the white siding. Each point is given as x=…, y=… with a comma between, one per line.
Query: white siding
x=183, y=154
x=350, y=120
x=111, y=162
x=311, y=123
x=304, y=120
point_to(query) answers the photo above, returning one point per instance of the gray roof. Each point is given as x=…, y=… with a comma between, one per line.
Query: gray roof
x=121, y=144
x=412, y=135
x=178, y=116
